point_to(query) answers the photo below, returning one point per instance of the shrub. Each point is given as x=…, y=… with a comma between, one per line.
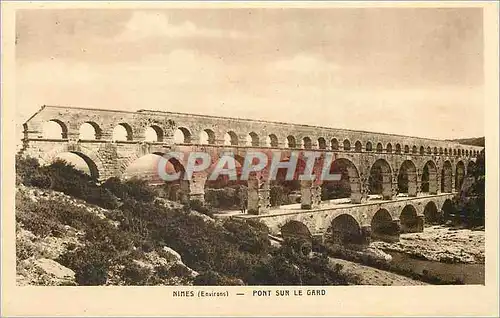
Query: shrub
x=251, y=237
x=29, y=173
x=91, y=264
x=135, y=274
x=212, y=278
x=224, y=198
x=134, y=188
x=201, y=207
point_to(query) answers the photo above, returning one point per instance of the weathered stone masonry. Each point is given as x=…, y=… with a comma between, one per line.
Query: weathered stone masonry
x=360, y=150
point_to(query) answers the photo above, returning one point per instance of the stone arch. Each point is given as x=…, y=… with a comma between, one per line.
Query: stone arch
x=431, y=213
x=321, y=143
x=151, y=166
x=182, y=135
x=307, y=142
x=348, y=186
x=357, y=146
x=446, y=151
x=435, y=150
x=407, y=149
x=382, y=226
x=347, y=145
x=414, y=150
x=272, y=141
x=410, y=222
x=388, y=148
x=369, y=146
x=467, y=152
x=440, y=150
x=429, y=150
x=380, y=148
x=230, y=138
x=446, y=177
x=346, y=230
x=154, y=133
x=54, y=129
x=398, y=148
x=459, y=175
x=207, y=137
x=334, y=144
x=454, y=152
x=91, y=129
x=122, y=132
x=407, y=178
x=422, y=150
x=291, y=142
x=93, y=161
x=429, y=178
x=295, y=229
x=380, y=180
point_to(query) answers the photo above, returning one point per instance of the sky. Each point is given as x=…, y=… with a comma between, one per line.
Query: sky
x=407, y=71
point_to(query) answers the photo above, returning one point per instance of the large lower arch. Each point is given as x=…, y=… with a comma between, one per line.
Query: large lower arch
x=446, y=177
x=407, y=178
x=346, y=230
x=166, y=175
x=431, y=214
x=348, y=186
x=95, y=167
x=380, y=180
x=459, y=175
x=383, y=228
x=82, y=162
x=410, y=222
x=429, y=178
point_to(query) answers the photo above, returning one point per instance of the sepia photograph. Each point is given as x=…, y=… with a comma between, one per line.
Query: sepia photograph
x=286, y=150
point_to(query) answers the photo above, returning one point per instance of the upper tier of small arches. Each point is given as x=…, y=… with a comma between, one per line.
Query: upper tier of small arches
x=123, y=132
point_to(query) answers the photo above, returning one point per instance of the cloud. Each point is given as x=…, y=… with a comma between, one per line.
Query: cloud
x=302, y=63
x=144, y=25
x=188, y=81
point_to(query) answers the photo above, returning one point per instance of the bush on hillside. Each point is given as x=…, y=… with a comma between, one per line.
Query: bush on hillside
x=221, y=253
x=134, y=188
x=29, y=173
x=251, y=236
x=63, y=177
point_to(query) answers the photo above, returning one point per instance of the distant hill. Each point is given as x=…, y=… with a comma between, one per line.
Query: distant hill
x=479, y=141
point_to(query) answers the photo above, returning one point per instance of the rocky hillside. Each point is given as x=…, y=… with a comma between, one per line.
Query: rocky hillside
x=39, y=256
x=74, y=231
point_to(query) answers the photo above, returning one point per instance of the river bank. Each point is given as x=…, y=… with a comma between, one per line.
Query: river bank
x=373, y=276
x=439, y=255
x=440, y=244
